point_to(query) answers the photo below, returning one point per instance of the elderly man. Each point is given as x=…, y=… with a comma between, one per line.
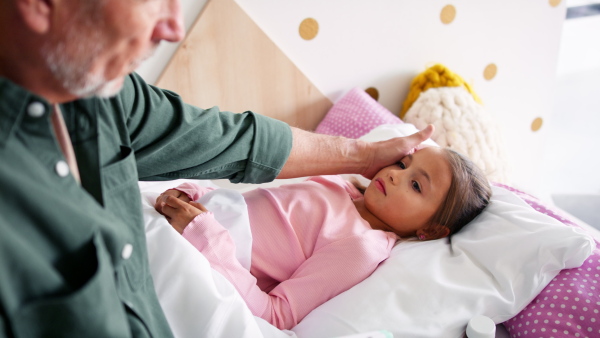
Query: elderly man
x=77, y=132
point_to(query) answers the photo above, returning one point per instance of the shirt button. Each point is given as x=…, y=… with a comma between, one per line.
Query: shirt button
x=62, y=168
x=127, y=250
x=36, y=109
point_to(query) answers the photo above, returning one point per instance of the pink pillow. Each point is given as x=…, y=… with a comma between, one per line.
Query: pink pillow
x=354, y=115
x=570, y=305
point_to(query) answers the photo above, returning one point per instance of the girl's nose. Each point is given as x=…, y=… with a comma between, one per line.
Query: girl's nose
x=395, y=176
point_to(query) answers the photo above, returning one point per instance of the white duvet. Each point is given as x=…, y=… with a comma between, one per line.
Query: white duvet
x=198, y=301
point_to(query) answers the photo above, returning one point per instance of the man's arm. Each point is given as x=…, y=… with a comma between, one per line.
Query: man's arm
x=172, y=139
x=315, y=154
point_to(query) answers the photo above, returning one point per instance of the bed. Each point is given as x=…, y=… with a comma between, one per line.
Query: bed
x=510, y=264
x=529, y=266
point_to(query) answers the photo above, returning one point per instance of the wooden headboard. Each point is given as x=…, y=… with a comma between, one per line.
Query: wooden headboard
x=225, y=49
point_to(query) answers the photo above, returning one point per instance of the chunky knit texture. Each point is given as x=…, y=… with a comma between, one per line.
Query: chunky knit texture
x=464, y=125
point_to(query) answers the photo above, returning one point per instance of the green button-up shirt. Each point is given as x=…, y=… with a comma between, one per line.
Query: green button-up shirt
x=73, y=259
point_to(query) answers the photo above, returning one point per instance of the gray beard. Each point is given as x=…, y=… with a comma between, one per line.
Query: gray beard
x=74, y=71
x=71, y=59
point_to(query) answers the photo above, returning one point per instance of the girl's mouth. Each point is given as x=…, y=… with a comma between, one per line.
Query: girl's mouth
x=380, y=185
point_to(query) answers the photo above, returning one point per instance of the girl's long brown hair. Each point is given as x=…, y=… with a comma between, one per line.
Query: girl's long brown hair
x=468, y=195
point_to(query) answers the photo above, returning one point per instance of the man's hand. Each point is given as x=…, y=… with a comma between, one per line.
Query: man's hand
x=177, y=210
x=317, y=154
x=385, y=153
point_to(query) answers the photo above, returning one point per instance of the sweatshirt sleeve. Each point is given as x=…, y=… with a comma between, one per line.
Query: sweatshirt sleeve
x=193, y=191
x=330, y=271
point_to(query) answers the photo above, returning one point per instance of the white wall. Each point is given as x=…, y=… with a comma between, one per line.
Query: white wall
x=151, y=69
x=572, y=157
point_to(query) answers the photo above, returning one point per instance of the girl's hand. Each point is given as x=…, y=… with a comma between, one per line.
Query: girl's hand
x=160, y=200
x=179, y=213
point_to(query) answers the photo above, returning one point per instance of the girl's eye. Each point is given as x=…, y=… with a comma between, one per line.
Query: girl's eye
x=416, y=186
x=401, y=165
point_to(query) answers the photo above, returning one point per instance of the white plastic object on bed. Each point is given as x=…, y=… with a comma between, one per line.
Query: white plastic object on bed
x=481, y=327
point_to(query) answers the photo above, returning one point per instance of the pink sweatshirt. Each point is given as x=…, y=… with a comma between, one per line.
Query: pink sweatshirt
x=309, y=245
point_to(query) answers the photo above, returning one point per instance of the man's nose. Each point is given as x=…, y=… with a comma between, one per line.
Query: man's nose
x=170, y=27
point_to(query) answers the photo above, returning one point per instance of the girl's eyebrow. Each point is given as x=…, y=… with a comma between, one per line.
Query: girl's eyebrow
x=424, y=173
x=420, y=170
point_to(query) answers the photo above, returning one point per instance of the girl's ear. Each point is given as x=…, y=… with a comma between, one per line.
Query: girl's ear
x=433, y=231
x=36, y=14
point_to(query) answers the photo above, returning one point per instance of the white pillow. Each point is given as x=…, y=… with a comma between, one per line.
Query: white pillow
x=494, y=267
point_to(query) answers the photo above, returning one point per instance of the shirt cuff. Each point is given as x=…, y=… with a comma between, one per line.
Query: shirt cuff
x=195, y=232
x=193, y=191
x=271, y=149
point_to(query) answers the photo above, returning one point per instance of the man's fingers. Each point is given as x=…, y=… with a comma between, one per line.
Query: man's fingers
x=425, y=133
x=416, y=139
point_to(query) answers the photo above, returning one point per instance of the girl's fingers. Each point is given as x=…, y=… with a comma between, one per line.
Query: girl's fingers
x=170, y=204
x=175, y=202
x=198, y=206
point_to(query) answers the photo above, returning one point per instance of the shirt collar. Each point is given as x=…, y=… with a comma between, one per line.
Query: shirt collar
x=14, y=103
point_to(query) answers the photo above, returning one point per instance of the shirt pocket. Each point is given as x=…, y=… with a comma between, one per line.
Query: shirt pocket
x=121, y=197
x=91, y=309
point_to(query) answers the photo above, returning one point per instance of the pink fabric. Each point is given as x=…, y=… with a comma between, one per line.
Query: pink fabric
x=64, y=141
x=570, y=305
x=309, y=245
x=354, y=115
x=193, y=191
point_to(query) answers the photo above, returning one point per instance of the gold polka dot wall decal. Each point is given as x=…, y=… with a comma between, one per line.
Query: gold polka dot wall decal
x=490, y=71
x=448, y=14
x=309, y=28
x=373, y=92
x=536, y=124
x=554, y=3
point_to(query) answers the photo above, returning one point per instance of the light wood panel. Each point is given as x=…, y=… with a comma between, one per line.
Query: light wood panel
x=226, y=60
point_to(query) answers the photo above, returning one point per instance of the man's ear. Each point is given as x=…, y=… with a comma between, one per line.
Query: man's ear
x=36, y=14
x=433, y=231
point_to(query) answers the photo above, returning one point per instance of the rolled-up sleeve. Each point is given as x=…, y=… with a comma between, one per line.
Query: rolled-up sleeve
x=175, y=140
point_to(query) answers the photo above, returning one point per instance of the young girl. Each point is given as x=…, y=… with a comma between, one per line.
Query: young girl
x=316, y=239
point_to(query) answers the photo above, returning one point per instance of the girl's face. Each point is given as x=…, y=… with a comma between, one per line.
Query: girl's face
x=406, y=195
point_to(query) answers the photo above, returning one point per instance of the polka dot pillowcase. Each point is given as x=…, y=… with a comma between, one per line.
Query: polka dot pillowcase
x=570, y=305
x=354, y=115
